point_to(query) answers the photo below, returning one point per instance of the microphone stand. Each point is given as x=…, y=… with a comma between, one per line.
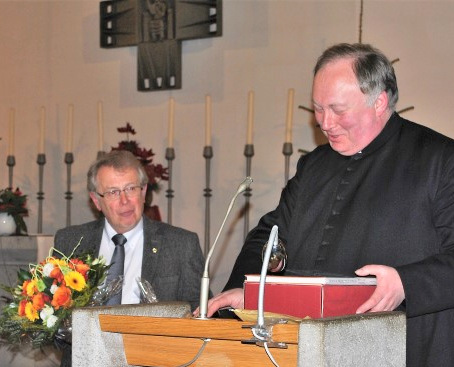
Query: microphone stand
x=205, y=282
x=263, y=333
x=259, y=330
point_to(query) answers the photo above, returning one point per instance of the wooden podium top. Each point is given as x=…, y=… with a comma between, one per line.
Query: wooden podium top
x=227, y=329
x=160, y=341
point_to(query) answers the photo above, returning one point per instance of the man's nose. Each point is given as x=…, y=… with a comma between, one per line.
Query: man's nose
x=326, y=120
x=123, y=197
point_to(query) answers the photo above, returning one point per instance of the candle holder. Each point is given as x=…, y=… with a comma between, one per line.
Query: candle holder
x=100, y=154
x=10, y=162
x=170, y=156
x=207, y=154
x=69, y=160
x=248, y=153
x=287, y=150
x=41, y=160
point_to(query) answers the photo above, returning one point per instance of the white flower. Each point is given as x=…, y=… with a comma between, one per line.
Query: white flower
x=53, y=288
x=46, y=312
x=100, y=260
x=51, y=320
x=47, y=269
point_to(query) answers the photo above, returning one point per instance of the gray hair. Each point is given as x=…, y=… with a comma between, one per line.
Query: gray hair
x=119, y=160
x=374, y=72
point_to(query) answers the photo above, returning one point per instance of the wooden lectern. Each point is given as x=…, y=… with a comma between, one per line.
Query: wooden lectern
x=160, y=341
x=161, y=334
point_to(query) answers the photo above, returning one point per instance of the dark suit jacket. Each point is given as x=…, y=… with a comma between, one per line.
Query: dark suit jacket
x=172, y=258
x=391, y=204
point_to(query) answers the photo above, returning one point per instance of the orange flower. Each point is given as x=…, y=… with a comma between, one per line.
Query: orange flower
x=73, y=262
x=21, y=308
x=62, y=297
x=24, y=287
x=83, y=269
x=38, y=301
x=30, y=312
x=56, y=274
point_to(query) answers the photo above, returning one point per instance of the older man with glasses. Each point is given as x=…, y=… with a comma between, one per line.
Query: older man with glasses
x=169, y=258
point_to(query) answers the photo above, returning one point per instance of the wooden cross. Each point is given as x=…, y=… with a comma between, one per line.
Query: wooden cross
x=158, y=27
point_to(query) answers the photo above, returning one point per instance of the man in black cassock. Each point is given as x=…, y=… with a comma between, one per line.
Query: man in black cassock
x=377, y=200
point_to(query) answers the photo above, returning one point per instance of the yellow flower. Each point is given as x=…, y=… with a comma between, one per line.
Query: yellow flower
x=31, y=288
x=57, y=262
x=30, y=312
x=75, y=280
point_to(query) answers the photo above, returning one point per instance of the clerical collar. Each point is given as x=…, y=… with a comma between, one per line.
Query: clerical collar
x=392, y=126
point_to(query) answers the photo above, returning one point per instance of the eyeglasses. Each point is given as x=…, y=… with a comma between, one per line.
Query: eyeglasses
x=130, y=192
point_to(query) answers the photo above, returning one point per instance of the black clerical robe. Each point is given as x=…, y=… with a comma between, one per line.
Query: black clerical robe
x=390, y=204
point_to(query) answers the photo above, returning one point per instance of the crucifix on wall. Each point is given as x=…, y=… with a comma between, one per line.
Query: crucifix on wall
x=157, y=28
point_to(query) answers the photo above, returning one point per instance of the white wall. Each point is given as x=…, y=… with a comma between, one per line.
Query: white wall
x=50, y=56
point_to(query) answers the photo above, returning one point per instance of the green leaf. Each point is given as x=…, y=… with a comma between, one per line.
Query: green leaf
x=23, y=275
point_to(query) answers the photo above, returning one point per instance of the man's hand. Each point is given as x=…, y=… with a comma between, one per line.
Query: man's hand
x=389, y=292
x=231, y=298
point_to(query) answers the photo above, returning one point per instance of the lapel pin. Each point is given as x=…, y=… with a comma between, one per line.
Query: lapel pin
x=155, y=250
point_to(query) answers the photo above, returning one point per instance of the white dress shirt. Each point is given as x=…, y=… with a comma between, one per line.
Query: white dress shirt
x=133, y=259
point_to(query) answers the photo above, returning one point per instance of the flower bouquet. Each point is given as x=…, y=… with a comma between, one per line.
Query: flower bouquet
x=42, y=301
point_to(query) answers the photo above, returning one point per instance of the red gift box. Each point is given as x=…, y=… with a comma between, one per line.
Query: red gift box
x=313, y=297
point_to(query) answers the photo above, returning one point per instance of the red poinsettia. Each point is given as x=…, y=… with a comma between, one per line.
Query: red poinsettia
x=155, y=172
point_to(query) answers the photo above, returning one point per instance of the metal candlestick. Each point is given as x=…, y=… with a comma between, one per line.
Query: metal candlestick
x=100, y=154
x=248, y=153
x=170, y=156
x=41, y=160
x=11, y=162
x=207, y=154
x=287, y=150
x=69, y=159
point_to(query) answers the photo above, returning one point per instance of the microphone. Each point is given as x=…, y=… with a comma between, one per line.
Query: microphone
x=205, y=283
x=272, y=242
x=278, y=258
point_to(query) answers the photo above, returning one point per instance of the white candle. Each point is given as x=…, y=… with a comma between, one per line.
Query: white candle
x=207, y=120
x=42, y=129
x=11, y=132
x=250, y=117
x=289, y=121
x=69, y=129
x=100, y=127
x=171, y=121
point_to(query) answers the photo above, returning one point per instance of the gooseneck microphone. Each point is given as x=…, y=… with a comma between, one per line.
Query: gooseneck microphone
x=272, y=242
x=205, y=283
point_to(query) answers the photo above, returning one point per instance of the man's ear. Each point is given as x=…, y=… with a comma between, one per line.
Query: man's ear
x=144, y=193
x=95, y=200
x=381, y=103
